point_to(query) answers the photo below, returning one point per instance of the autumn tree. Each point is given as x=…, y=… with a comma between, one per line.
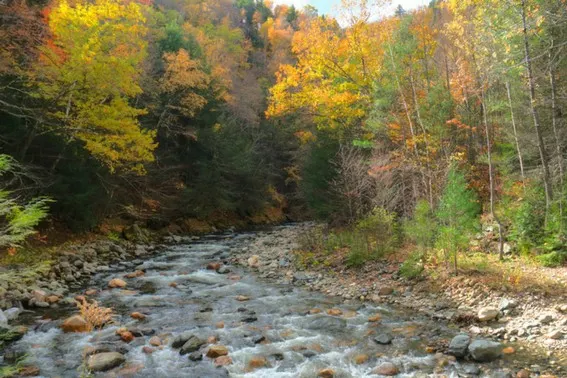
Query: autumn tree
x=89, y=70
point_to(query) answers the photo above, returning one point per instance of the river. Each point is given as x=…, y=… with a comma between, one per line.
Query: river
x=280, y=331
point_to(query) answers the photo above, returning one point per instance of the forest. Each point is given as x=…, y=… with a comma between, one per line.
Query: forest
x=430, y=126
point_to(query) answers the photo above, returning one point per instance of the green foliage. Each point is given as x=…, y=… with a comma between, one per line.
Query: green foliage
x=373, y=237
x=457, y=214
x=316, y=174
x=422, y=228
x=412, y=267
x=229, y=174
x=553, y=259
x=18, y=221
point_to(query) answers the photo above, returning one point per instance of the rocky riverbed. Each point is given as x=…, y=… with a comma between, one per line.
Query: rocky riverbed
x=235, y=305
x=535, y=322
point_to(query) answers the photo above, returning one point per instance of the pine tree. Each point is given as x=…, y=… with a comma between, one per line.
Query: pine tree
x=458, y=215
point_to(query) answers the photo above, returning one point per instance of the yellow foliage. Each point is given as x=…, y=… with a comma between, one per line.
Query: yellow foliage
x=183, y=76
x=90, y=69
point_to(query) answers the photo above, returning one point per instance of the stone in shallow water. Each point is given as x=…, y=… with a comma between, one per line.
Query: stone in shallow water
x=325, y=323
x=459, y=345
x=387, y=368
x=192, y=345
x=181, y=339
x=75, y=323
x=105, y=361
x=485, y=350
x=383, y=339
x=217, y=351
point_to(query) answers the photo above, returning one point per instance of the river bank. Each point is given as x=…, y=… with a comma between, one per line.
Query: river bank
x=532, y=320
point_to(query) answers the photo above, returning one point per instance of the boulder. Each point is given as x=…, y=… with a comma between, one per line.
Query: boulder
x=487, y=314
x=196, y=356
x=75, y=323
x=485, y=350
x=192, y=345
x=217, y=351
x=387, y=369
x=459, y=345
x=116, y=283
x=105, y=361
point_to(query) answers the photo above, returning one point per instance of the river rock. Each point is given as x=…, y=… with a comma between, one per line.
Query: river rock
x=459, y=345
x=254, y=261
x=217, y=351
x=256, y=362
x=10, y=314
x=155, y=341
x=487, y=314
x=383, y=339
x=3, y=320
x=117, y=283
x=507, y=304
x=214, y=265
x=326, y=373
x=192, y=345
x=196, y=356
x=181, y=339
x=105, y=361
x=223, y=361
x=75, y=323
x=138, y=316
x=385, y=290
x=326, y=323
x=485, y=350
x=39, y=295
x=387, y=369
x=223, y=270
x=545, y=319
x=555, y=334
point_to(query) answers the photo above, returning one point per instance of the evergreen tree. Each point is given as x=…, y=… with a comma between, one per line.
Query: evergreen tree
x=458, y=215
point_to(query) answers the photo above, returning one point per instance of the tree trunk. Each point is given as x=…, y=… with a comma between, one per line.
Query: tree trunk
x=514, y=128
x=557, y=137
x=535, y=116
x=491, y=176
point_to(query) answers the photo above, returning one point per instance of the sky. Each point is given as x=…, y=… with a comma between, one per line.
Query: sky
x=326, y=6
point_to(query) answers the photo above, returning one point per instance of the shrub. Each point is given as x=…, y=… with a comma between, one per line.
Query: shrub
x=552, y=259
x=422, y=228
x=373, y=237
x=412, y=267
x=95, y=315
